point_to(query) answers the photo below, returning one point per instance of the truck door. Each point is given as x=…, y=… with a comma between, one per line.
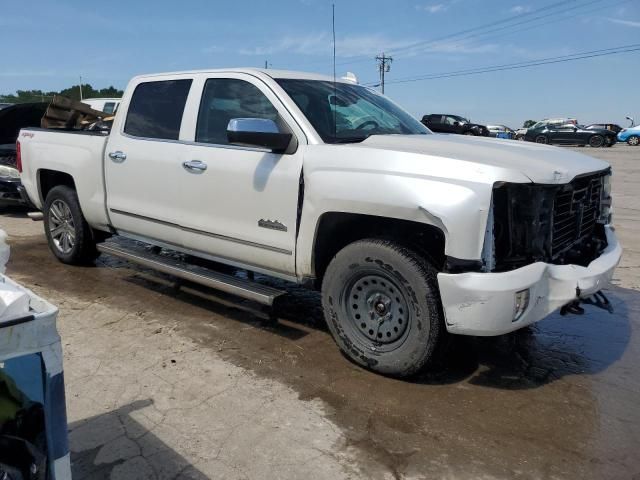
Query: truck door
x=143, y=161
x=240, y=203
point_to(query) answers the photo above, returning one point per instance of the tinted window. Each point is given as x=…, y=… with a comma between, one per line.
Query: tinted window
x=224, y=99
x=156, y=109
x=109, y=107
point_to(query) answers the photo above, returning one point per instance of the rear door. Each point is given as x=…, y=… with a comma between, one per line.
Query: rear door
x=143, y=160
x=241, y=203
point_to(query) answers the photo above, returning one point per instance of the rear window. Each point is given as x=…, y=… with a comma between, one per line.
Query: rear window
x=156, y=109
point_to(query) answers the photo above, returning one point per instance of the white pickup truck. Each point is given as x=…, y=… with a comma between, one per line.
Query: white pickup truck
x=409, y=235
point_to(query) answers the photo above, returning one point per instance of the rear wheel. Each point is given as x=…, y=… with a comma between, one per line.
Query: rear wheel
x=68, y=234
x=382, y=305
x=541, y=139
x=596, y=141
x=633, y=140
x=468, y=132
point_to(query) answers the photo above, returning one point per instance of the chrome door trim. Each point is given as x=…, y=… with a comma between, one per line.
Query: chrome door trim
x=202, y=232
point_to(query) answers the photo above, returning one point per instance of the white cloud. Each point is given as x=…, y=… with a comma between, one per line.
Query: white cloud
x=628, y=23
x=518, y=9
x=433, y=8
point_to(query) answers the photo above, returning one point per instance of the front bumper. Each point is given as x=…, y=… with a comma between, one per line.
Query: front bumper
x=483, y=304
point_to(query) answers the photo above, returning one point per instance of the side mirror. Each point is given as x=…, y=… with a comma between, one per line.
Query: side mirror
x=258, y=132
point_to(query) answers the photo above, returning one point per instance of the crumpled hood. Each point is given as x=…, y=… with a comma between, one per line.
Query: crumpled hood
x=540, y=163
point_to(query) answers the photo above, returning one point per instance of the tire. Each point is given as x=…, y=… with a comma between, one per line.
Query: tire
x=377, y=284
x=541, y=139
x=69, y=236
x=596, y=141
x=633, y=140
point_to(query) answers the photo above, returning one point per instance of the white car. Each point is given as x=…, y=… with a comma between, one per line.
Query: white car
x=106, y=105
x=329, y=184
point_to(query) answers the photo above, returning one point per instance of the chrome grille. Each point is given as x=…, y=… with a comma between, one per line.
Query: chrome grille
x=575, y=213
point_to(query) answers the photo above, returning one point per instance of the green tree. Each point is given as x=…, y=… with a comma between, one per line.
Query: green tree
x=73, y=92
x=529, y=123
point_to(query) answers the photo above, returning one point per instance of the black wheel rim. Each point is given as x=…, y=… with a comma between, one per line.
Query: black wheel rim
x=541, y=140
x=596, y=142
x=377, y=310
x=62, y=227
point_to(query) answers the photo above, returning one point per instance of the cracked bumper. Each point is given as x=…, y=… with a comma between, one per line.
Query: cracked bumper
x=484, y=303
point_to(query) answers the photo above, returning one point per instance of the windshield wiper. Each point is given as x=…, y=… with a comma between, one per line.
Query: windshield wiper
x=350, y=139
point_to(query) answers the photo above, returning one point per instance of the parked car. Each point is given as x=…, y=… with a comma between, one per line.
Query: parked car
x=569, y=135
x=630, y=135
x=280, y=173
x=444, y=123
x=12, y=119
x=500, y=131
x=604, y=126
x=106, y=105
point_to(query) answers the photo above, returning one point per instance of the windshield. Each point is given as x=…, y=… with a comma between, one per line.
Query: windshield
x=344, y=113
x=460, y=119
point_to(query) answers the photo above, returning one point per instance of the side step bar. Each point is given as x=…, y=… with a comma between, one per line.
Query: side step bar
x=226, y=283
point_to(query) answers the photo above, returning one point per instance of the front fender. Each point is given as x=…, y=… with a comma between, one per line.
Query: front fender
x=458, y=209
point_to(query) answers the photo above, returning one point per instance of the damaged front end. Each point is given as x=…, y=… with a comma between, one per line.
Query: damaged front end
x=555, y=224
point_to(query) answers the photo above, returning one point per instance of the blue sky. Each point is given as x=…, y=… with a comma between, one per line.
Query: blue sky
x=48, y=44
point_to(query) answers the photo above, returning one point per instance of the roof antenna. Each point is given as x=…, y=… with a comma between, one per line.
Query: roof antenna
x=335, y=97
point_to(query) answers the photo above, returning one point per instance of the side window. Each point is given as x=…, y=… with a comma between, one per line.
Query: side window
x=224, y=99
x=449, y=120
x=156, y=109
x=109, y=107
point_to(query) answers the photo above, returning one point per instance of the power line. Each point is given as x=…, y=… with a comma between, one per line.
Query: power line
x=519, y=65
x=435, y=41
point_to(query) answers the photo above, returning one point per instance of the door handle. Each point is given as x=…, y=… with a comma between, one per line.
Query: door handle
x=118, y=156
x=194, y=166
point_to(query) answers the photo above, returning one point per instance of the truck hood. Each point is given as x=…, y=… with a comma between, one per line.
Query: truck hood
x=539, y=163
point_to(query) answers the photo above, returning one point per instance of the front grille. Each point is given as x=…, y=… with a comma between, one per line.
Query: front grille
x=575, y=213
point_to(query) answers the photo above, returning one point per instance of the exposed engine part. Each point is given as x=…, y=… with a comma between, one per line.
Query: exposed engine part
x=598, y=300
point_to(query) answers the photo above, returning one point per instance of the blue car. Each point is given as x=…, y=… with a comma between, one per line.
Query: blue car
x=630, y=135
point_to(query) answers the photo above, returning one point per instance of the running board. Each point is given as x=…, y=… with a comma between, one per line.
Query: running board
x=209, y=278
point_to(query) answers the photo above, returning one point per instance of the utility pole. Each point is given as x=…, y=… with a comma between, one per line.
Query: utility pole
x=384, y=65
x=80, y=87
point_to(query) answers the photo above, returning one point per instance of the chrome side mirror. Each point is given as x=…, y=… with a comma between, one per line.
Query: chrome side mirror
x=258, y=132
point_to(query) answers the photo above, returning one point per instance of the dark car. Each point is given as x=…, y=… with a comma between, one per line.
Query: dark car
x=12, y=119
x=445, y=123
x=605, y=126
x=570, y=134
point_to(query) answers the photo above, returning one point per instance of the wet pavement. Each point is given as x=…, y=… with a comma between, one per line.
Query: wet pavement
x=167, y=384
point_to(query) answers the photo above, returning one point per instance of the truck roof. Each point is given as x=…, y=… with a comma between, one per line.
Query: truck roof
x=276, y=74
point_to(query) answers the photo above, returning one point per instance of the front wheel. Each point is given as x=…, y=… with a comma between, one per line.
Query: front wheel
x=469, y=132
x=633, y=140
x=382, y=305
x=541, y=139
x=596, y=141
x=69, y=236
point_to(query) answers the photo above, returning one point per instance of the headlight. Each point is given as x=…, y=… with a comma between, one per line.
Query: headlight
x=9, y=172
x=606, y=212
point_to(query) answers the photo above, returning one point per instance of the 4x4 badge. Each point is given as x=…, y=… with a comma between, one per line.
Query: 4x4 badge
x=272, y=224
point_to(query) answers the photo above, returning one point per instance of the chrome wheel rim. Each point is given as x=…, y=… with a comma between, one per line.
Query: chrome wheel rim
x=377, y=309
x=61, y=226
x=634, y=140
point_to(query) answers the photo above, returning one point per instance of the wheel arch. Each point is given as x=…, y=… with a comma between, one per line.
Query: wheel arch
x=48, y=179
x=336, y=230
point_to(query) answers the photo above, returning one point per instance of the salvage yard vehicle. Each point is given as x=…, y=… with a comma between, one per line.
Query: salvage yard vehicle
x=106, y=105
x=570, y=134
x=445, y=123
x=630, y=135
x=408, y=235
